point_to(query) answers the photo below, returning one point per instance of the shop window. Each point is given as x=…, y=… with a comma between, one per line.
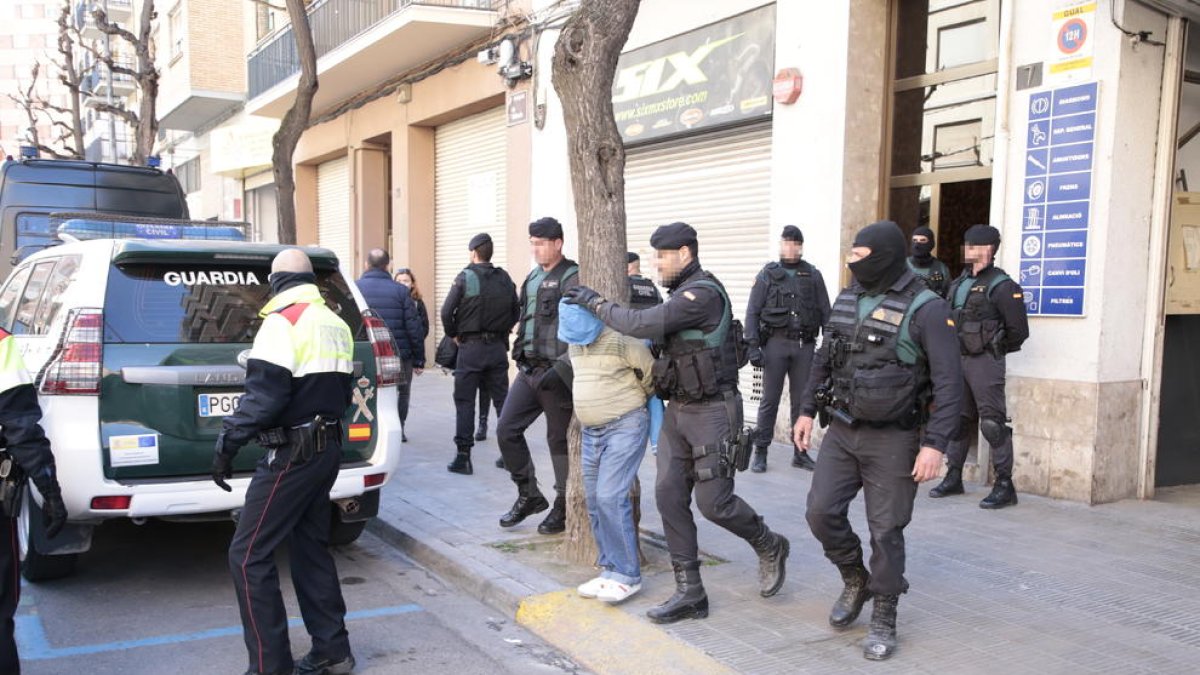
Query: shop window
x=188, y=174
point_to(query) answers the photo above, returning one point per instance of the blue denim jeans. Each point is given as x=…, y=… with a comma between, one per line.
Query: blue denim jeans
x=612, y=454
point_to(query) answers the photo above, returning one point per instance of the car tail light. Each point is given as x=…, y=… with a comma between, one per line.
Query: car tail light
x=374, y=480
x=75, y=366
x=387, y=361
x=112, y=503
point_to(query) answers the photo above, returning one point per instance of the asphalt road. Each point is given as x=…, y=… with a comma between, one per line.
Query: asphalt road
x=157, y=598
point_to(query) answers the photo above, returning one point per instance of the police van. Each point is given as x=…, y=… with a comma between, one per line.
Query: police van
x=133, y=335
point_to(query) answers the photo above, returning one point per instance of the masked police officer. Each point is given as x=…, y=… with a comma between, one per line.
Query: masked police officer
x=479, y=312
x=923, y=263
x=698, y=373
x=989, y=310
x=298, y=386
x=888, y=357
x=788, y=305
x=542, y=384
x=642, y=291
x=25, y=454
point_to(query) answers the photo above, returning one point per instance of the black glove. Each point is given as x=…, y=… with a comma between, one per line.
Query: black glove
x=756, y=357
x=582, y=295
x=222, y=466
x=54, y=513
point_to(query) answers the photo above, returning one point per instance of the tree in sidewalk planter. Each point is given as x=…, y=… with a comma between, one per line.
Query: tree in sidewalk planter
x=294, y=122
x=143, y=72
x=585, y=60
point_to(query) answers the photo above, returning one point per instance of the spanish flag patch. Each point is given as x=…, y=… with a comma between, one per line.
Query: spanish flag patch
x=359, y=432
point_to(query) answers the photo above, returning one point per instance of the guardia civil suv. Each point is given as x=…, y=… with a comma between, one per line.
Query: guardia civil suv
x=134, y=344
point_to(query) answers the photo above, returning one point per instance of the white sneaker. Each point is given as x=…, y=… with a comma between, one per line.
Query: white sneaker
x=614, y=591
x=591, y=589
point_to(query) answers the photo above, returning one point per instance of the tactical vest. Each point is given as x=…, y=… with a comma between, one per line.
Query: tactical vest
x=697, y=365
x=791, y=302
x=936, y=276
x=545, y=344
x=642, y=292
x=878, y=371
x=486, y=300
x=977, y=319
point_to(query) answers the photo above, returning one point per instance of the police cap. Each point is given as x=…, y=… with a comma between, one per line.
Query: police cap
x=674, y=237
x=632, y=257
x=546, y=228
x=792, y=233
x=982, y=235
x=479, y=240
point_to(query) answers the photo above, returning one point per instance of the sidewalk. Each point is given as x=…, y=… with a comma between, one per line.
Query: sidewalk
x=1047, y=586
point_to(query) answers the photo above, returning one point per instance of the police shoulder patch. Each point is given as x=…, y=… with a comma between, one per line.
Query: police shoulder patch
x=292, y=312
x=689, y=295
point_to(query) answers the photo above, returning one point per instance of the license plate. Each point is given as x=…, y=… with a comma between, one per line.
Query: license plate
x=218, y=405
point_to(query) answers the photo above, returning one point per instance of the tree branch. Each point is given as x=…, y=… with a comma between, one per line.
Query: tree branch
x=109, y=28
x=127, y=115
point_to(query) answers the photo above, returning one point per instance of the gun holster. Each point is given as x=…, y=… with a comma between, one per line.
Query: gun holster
x=12, y=479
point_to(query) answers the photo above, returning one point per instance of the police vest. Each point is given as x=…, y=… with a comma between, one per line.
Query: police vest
x=697, y=365
x=878, y=371
x=486, y=301
x=642, y=292
x=978, y=320
x=545, y=344
x=791, y=302
x=936, y=276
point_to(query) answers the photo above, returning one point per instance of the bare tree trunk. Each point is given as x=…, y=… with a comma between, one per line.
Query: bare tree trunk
x=294, y=122
x=70, y=74
x=144, y=121
x=585, y=58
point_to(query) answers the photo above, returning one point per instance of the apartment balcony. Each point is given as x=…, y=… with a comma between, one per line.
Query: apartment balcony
x=361, y=43
x=119, y=11
x=96, y=84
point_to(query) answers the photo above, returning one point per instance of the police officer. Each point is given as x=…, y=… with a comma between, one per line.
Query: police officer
x=888, y=357
x=479, y=312
x=923, y=263
x=298, y=386
x=698, y=373
x=788, y=305
x=989, y=310
x=25, y=454
x=542, y=384
x=642, y=291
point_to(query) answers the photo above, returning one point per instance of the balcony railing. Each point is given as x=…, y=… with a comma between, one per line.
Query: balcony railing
x=118, y=11
x=333, y=23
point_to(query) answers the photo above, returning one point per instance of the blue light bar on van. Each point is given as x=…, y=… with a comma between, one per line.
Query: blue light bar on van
x=82, y=229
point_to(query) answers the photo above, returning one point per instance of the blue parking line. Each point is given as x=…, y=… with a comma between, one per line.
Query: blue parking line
x=33, y=645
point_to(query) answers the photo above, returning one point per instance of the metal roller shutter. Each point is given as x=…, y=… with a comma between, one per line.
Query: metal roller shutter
x=469, y=192
x=720, y=184
x=333, y=209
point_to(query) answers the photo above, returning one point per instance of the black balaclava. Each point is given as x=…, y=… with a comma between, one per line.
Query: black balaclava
x=923, y=253
x=878, y=271
x=281, y=281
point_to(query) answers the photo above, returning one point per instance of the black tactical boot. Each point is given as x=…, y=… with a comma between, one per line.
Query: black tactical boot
x=772, y=550
x=854, y=595
x=312, y=664
x=759, y=463
x=689, y=601
x=950, y=485
x=481, y=432
x=881, y=639
x=1003, y=494
x=801, y=460
x=500, y=463
x=462, y=462
x=556, y=520
x=529, y=501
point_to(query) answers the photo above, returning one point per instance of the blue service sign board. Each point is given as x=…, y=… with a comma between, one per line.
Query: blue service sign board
x=1059, y=149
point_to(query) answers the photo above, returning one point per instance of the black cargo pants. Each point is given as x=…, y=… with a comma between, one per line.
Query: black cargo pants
x=983, y=398
x=288, y=501
x=482, y=367
x=531, y=394
x=782, y=358
x=687, y=427
x=879, y=461
x=10, y=595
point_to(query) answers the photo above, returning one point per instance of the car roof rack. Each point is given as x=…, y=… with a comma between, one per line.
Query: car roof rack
x=83, y=226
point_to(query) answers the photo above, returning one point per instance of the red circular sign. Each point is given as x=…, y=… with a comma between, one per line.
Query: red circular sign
x=1072, y=36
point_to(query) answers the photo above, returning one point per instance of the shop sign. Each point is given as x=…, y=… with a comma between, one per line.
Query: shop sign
x=713, y=76
x=1056, y=217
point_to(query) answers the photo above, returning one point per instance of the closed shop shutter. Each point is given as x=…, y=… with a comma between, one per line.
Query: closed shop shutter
x=720, y=184
x=469, y=192
x=333, y=210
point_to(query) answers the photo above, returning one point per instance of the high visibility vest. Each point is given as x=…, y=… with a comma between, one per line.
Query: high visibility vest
x=302, y=335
